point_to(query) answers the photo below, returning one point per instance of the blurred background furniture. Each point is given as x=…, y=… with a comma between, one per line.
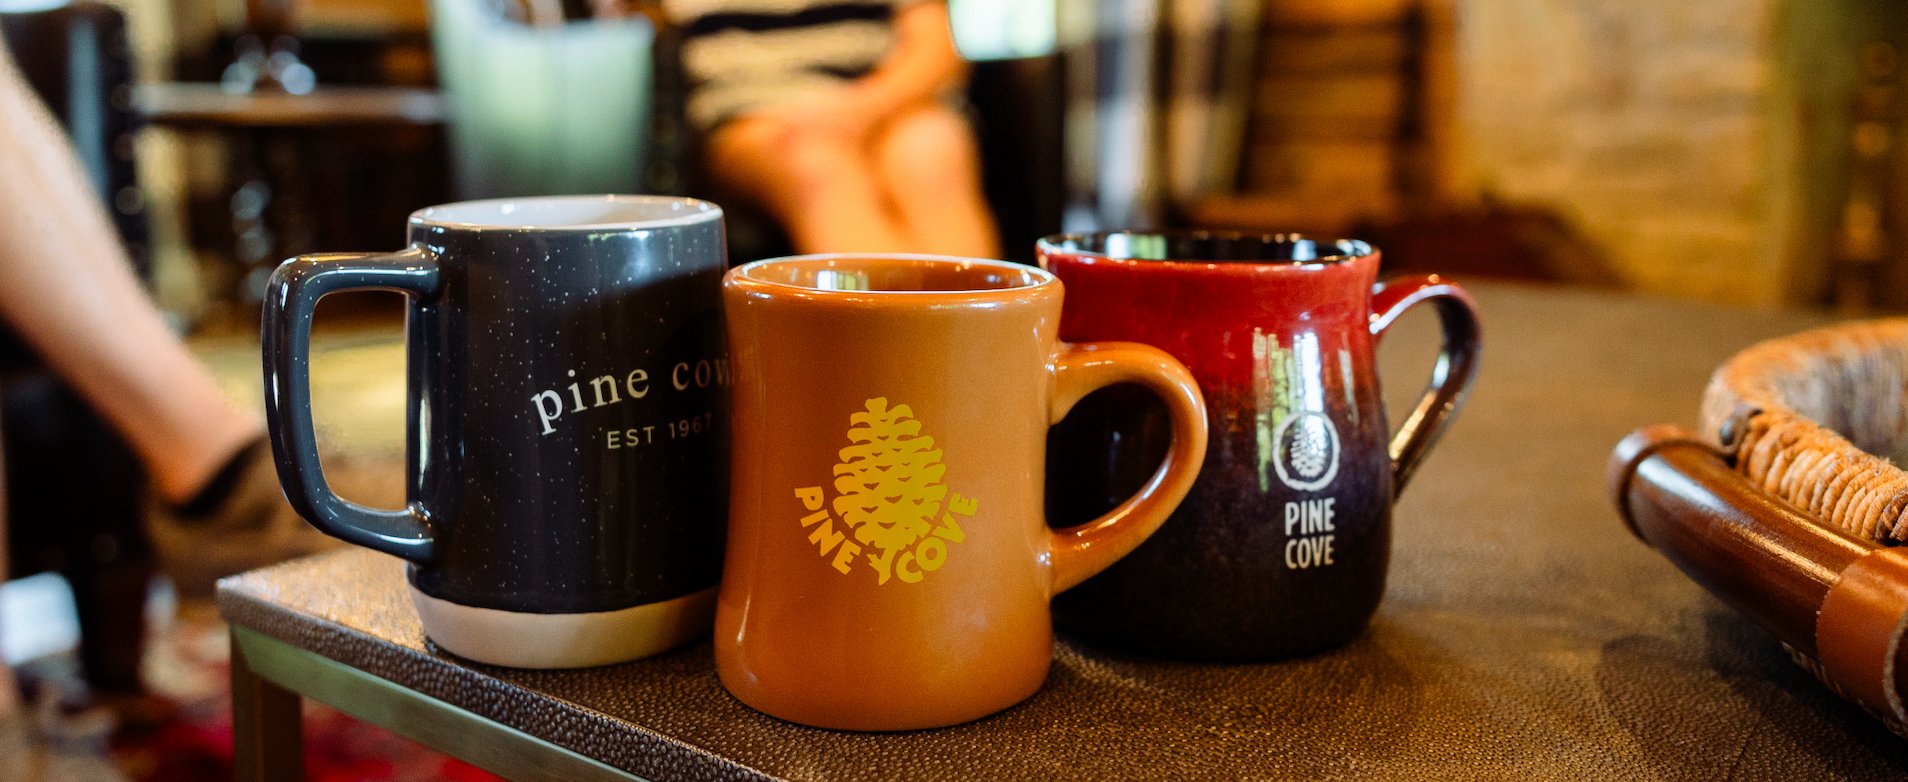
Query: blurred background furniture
x=283, y=198
x=73, y=488
x=290, y=126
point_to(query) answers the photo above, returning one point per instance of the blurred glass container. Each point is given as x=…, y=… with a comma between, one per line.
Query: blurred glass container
x=544, y=110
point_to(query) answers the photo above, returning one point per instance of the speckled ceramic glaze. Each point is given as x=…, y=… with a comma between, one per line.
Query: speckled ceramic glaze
x=568, y=421
x=1281, y=547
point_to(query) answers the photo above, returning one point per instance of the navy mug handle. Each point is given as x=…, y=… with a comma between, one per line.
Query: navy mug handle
x=1450, y=378
x=290, y=299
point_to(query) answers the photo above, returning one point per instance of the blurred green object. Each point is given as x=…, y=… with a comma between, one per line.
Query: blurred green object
x=547, y=110
x=1002, y=29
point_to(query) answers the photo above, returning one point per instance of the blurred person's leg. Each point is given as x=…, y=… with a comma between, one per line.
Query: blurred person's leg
x=66, y=287
x=930, y=168
x=822, y=189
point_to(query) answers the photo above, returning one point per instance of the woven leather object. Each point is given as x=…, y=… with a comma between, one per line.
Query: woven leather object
x=1812, y=418
x=1524, y=634
x=1838, y=603
x=1808, y=420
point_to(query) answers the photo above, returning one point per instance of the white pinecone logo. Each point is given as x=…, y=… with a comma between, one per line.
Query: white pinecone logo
x=1311, y=447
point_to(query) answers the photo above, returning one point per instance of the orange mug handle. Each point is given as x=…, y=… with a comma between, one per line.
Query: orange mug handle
x=1081, y=551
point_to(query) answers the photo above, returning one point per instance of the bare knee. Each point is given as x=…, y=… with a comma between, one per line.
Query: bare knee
x=930, y=151
x=816, y=161
x=778, y=161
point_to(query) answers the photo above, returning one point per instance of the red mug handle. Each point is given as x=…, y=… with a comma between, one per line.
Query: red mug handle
x=1450, y=378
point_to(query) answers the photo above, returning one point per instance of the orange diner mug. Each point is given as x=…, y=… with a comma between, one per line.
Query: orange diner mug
x=889, y=565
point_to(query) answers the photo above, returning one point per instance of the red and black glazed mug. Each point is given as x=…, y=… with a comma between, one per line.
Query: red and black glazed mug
x=1282, y=546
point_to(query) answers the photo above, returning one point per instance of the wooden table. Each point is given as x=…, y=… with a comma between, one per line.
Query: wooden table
x=1525, y=634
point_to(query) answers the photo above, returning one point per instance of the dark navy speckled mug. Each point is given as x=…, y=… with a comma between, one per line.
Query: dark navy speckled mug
x=567, y=469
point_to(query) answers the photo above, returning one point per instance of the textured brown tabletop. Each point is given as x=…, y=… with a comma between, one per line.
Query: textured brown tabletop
x=1525, y=634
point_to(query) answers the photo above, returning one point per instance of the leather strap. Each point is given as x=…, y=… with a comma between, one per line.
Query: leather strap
x=1859, y=629
x=1640, y=446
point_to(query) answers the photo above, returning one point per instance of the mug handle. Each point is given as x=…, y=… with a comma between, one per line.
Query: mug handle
x=290, y=298
x=1081, y=551
x=1450, y=378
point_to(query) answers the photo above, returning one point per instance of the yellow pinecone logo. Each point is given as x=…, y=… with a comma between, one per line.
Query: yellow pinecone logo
x=889, y=496
x=888, y=484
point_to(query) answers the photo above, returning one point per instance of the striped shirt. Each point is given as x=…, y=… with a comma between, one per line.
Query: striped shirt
x=747, y=55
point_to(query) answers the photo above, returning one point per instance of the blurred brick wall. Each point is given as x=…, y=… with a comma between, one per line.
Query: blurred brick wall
x=1652, y=126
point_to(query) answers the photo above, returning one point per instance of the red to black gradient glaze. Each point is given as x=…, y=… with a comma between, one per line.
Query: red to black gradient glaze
x=1282, y=546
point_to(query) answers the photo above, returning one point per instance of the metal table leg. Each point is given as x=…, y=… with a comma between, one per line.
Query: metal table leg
x=267, y=726
x=269, y=676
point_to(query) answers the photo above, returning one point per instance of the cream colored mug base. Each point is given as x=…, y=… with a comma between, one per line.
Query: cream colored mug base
x=524, y=640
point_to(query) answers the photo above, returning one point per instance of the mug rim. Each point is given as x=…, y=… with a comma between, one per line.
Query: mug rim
x=1051, y=245
x=700, y=212
x=1042, y=279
